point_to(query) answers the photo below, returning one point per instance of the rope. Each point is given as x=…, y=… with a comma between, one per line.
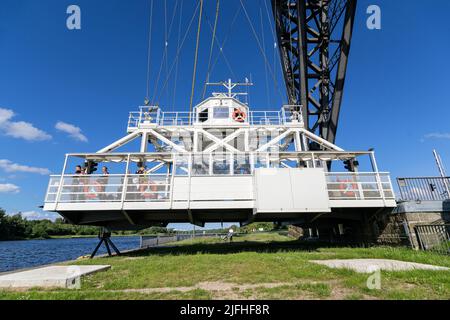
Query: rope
x=177, y=60
x=164, y=61
x=264, y=47
x=212, y=47
x=147, y=99
x=260, y=47
x=196, y=57
x=181, y=46
x=221, y=46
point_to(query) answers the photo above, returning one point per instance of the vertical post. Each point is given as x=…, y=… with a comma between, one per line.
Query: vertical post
x=231, y=159
x=144, y=142
x=252, y=163
x=174, y=170
x=377, y=174
x=60, y=187
x=195, y=142
x=211, y=164
x=247, y=140
x=140, y=117
x=125, y=182
x=442, y=172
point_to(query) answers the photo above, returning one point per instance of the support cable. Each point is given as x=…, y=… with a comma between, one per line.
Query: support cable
x=179, y=49
x=221, y=46
x=176, y=59
x=212, y=47
x=265, y=66
x=165, y=51
x=196, y=57
x=227, y=62
x=147, y=98
x=260, y=47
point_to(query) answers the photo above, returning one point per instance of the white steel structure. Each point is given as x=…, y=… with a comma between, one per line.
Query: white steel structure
x=220, y=163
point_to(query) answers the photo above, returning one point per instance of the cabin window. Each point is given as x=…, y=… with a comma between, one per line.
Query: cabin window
x=221, y=113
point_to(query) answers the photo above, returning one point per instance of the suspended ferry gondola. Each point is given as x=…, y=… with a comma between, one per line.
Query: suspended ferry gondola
x=212, y=166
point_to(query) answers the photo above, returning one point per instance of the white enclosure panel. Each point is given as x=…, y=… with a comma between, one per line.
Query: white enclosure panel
x=309, y=190
x=273, y=190
x=180, y=188
x=215, y=188
x=221, y=188
x=291, y=190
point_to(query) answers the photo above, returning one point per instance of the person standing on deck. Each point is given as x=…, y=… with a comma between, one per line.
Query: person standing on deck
x=76, y=182
x=103, y=182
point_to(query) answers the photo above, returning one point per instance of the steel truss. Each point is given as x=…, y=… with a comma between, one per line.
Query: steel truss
x=314, y=39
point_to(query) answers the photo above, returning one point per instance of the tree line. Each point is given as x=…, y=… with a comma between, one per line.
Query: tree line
x=16, y=227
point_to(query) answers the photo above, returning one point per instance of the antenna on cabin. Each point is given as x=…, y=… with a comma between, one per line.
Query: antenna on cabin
x=229, y=85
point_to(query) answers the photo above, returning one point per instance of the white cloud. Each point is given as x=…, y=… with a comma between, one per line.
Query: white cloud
x=21, y=129
x=9, y=166
x=5, y=115
x=73, y=131
x=9, y=188
x=38, y=215
x=438, y=136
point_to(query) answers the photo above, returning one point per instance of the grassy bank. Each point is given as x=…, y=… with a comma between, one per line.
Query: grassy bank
x=263, y=266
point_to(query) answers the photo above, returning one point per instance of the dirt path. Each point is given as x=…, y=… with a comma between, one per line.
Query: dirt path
x=223, y=290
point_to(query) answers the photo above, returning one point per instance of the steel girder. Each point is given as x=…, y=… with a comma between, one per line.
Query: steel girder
x=314, y=39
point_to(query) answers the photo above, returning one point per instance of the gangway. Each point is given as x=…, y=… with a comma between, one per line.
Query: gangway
x=221, y=163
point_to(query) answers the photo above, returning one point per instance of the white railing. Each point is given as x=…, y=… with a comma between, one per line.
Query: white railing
x=359, y=186
x=111, y=188
x=154, y=116
x=157, y=187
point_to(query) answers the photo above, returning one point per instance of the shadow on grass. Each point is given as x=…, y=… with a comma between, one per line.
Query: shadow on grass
x=237, y=247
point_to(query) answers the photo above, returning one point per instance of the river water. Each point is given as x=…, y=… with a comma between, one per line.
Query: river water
x=31, y=253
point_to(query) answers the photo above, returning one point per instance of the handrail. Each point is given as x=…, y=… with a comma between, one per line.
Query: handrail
x=159, y=187
x=257, y=117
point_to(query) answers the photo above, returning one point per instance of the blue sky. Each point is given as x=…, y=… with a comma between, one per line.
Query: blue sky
x=67, y=91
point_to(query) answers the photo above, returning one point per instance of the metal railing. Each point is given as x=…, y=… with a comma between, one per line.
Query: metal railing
x=111, y=188
x=154, y=116
x=434, y=238
x=157, y=187
x=359, y=186
x=424, y=189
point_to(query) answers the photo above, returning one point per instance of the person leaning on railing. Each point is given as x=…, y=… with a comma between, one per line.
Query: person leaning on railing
x=102, y=183
x=75, y=196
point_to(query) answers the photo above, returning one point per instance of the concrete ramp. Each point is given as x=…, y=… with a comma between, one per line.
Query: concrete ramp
x=49, y=277
x=372, y=265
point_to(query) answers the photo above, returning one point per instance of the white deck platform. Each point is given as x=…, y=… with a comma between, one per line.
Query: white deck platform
x=49, y=277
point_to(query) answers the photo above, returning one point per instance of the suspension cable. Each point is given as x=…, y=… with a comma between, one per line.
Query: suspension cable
x=177, y=60
x=222, y=45
x=212, y=48
x=164, y=61
x=180, y=47
x=264, y=47
x=196, y=58
x=260, y=47
x=147, y=98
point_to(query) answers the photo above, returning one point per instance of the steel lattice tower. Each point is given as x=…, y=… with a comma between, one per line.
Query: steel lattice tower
x=314, y=41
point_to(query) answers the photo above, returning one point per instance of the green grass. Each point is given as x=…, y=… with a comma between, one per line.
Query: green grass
x=257, y=266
